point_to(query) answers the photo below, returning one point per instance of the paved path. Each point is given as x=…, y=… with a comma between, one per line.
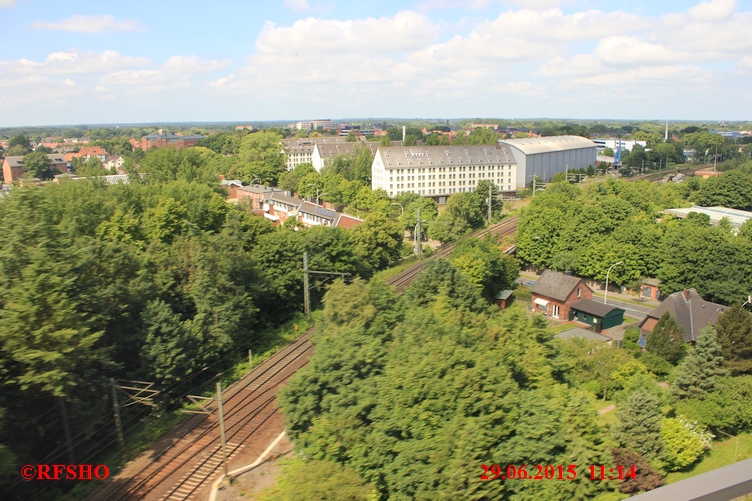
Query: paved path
x=607, y=409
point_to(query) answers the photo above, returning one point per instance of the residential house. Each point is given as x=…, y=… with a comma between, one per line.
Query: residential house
x=92, y=151
x=314, y=215
x=690, y=310
x=13, y=166
x=253, y=194
x=554, y=293
x=280, y=206
x=598, y=316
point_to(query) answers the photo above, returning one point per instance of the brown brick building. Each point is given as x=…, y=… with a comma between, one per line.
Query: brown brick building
x=554, y=294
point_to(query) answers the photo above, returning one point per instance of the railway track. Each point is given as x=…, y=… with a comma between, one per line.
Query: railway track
x=184, y=469
x=401, y=280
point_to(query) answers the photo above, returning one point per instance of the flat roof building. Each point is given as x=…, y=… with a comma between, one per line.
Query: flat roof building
x=735, y=216
x=545, y=156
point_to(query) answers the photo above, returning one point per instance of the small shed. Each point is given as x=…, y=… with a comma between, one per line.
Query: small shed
x=504, y=299
x=598, y=315
x=649, y=289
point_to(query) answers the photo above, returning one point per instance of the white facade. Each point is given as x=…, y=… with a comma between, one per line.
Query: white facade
x=300, y=150
x=545, y=156
x=440, y=171
x=315, y=124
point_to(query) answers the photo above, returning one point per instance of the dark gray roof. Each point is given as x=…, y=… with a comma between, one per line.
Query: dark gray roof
x=255, y=188
x=555, y=285
x=396, y=157
x=594, y=307
x=17, y=161
x=309, y=208
x=281, y=197
x=504, y=294
x=690, y=310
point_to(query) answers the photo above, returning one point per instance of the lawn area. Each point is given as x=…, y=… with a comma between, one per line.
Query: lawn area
x=556, y=327
x=722, y=454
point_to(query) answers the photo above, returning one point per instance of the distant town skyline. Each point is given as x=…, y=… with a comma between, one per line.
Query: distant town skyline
x=86, y=62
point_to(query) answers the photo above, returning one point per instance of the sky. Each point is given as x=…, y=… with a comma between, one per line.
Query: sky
x=89, y=62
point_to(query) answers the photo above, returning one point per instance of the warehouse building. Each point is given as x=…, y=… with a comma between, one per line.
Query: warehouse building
x=545, y=156
x=440, y=171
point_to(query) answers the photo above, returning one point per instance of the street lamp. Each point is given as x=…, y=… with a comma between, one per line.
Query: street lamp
x=605, y=294
x=403, y=209
x=317, y=193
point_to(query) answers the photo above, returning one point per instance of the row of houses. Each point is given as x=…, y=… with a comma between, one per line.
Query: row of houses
x=567, y=297
x=278, y=205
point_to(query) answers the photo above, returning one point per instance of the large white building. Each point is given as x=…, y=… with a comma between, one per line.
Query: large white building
x=300, y=150
x=315, y=124
x=545, y=156
x=324, y=153
x=440, y=171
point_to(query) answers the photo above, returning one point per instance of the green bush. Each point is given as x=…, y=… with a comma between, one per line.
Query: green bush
x=656, y=364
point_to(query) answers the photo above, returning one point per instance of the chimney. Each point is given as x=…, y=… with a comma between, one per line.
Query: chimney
x=685, y=293
x=403, y=133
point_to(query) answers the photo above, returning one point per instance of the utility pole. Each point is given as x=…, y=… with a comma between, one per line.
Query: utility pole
x=222, y=427
x=490, y=187
x=306, y=292
x=533, y=185
x=418, y=244
x=715, y=158
x=306, y=286
x=250, y=360
x=116, y=410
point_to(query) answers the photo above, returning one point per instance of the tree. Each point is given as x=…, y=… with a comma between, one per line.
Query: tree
x=461, y=215
x=377, y=241
x=385, y=141
x=646, y=478
x=696, y=375
x=37, y=164
x=262, y=158
x=484, y=265
x=667, y=339
x=301, y=480
x=683, y=442
x=608, y=152
x=639, y=427
x=91, y=168
x=410, y=140
x=734, y=329
x=482, y=135
x=351, y=138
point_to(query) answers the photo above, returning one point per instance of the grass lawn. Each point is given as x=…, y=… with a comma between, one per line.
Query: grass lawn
x=722, y=454
x=556, y=327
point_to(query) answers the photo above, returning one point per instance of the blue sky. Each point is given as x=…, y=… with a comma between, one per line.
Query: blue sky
x=143, y=61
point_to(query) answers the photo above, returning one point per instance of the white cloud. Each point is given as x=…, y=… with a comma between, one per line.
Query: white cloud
x=405, y=31
x=712, y=10
x=430, y=5
x=8, y=3
x=632, y=50
x=745, y=63
x=538, y=4
x=74, y=62
x=192, y=64
x=297, y=5
x=90, y=24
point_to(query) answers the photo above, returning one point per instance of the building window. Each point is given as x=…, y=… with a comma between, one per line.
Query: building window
x=579, y=292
